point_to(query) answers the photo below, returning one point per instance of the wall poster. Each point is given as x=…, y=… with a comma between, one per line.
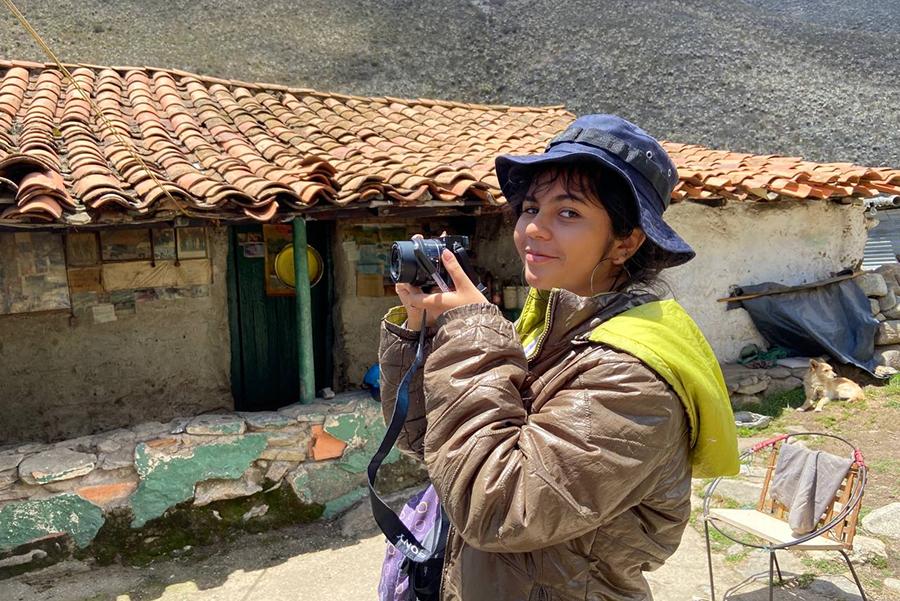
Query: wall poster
x=32, y=273
x=371, y=250
x=276, y=237
x=164, y=244
x=191, y=242
x=125, y=245
x=82, y=249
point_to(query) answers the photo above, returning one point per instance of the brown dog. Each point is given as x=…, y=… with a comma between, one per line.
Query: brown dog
x=821, y=384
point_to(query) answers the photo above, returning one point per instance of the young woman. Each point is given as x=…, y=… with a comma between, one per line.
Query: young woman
x=562, y=447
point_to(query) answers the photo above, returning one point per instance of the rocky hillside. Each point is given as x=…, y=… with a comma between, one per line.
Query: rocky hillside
x=817, y=78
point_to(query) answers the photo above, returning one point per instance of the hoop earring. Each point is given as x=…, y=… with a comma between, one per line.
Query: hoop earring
x=593, y=271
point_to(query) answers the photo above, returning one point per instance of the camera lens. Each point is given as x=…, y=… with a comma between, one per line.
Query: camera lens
x=403, y=262
x=405, y=267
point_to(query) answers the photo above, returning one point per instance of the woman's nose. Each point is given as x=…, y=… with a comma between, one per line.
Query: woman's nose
x=536, y=228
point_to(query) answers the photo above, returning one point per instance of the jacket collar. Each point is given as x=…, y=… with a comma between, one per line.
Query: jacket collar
x=559, y=317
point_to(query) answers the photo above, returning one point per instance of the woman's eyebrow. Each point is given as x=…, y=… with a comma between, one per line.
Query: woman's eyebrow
x=561, y=197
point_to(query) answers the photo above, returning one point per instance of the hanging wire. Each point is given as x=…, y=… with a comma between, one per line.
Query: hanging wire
x=84, y=95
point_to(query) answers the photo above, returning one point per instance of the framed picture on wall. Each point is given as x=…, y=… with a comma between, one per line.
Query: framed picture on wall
x=125, y=245
x=191, y=242
x=164, y=244
x=82, y=249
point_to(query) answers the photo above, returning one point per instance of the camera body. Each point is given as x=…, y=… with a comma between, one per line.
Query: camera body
x=418, y=261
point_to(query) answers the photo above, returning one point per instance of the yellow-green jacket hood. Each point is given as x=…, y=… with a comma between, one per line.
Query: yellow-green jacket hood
x=665, y=338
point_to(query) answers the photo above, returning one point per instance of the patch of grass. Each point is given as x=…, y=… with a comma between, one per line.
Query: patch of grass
x=743, y=432
x=885, y=466
x=879, y=562
x=735, y=558
x=894, y=383
x=864, y=511
x=830, y=422
x=776, y=404
x=891, y=388
x=185, y=525
x=718, y=541
x=726, y=502
x=804, y=580
x=823, y=566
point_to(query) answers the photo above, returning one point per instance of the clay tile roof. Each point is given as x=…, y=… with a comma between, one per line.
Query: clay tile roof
x=711, y=175
x=225, y=149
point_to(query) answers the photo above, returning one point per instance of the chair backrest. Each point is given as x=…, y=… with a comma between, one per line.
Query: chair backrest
x=844, y=531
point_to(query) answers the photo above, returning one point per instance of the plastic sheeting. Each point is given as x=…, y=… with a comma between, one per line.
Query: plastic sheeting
x=833, y=319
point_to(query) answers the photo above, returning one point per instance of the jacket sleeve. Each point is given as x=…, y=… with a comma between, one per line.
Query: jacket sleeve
x=515, y=482
x=396, y=353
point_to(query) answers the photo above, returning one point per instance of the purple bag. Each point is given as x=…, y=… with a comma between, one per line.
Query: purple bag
x=422, y=515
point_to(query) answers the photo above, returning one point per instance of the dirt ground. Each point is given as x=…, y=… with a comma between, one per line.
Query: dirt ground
x=317, y=563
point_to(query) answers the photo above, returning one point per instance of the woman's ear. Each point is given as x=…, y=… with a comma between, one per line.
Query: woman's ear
x=624, y=248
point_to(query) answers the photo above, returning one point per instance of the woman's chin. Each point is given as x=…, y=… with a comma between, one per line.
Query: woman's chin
x=540, y=282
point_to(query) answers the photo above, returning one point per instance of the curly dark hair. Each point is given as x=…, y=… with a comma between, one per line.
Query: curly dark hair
x=607, y=189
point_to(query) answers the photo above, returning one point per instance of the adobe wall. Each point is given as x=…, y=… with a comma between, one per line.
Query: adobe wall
x=66, y=376
x=790, y=242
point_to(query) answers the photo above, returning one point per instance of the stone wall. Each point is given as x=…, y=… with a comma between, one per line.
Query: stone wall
x=149, y=472
x=883, y=289
x=749, y=386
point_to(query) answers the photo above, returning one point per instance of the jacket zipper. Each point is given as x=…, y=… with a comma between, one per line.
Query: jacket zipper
x=447, y=551
x=548, y=319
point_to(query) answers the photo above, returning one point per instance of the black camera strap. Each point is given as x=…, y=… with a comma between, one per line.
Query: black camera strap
x=395, y=530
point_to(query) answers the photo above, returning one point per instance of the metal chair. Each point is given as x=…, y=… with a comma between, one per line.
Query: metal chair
x=768, y=522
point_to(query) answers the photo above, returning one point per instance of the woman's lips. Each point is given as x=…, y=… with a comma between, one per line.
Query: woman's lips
x=536, y=258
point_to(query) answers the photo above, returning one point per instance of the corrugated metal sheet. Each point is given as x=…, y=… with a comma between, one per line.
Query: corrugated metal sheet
x=883, y=244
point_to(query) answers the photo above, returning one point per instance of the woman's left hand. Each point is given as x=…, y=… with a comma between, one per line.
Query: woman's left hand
x=465, y=293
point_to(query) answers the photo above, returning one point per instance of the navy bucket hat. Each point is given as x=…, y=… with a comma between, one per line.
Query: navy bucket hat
x=615, y=145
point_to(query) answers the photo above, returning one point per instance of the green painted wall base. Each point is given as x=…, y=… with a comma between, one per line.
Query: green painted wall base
x=167, y=481
x=29, y=520
x=187, y=525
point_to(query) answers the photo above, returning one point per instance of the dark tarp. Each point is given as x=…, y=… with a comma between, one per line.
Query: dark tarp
x=833, y=319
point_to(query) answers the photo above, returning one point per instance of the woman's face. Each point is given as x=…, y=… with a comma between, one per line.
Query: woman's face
x=562, y=235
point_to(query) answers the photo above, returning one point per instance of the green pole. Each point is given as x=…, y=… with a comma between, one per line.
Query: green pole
x=304, y=314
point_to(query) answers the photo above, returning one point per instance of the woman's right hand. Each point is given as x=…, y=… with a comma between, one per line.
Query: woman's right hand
x=413, y=315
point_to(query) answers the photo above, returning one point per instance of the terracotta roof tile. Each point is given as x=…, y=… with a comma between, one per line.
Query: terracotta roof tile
x=769, y=177
x=230, y=149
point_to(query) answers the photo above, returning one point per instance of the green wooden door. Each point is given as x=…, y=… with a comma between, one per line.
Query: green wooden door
x=264, y=361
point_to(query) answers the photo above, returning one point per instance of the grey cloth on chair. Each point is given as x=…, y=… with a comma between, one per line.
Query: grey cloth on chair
x=806, y=482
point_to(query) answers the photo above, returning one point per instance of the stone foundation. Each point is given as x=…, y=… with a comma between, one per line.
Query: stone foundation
x=311, y=457
x=749, y=386
x=883, y=289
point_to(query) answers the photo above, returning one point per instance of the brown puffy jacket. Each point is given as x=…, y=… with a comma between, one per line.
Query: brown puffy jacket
x=565, y=476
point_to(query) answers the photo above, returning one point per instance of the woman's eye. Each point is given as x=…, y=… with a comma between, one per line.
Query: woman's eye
x=530, y=210
x=569, y=214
